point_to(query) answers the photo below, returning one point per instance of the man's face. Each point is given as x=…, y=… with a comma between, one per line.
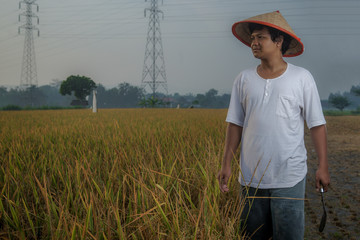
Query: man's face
x=262, y=46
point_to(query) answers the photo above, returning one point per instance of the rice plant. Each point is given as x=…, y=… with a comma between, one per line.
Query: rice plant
x=117, y=174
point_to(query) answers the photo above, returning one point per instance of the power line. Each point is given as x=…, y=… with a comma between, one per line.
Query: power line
x=53, y=42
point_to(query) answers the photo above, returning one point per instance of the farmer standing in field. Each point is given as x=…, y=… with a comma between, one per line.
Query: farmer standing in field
x=268, y=106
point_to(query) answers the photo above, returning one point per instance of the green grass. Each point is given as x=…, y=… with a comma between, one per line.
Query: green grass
x=18, y=108
x=341, y=113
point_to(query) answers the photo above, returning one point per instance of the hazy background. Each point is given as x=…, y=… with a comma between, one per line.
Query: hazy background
x=105, y=40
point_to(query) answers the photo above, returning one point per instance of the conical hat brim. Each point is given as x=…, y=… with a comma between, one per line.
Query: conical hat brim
x=274, y=20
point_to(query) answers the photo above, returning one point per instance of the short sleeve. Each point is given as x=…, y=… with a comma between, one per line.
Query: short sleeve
x=313, y=113
x=236, y=113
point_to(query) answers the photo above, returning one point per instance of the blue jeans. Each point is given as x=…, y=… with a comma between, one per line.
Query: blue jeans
x=272, y=215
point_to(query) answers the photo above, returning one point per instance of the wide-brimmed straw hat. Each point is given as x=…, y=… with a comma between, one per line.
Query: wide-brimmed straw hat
x=274, y=20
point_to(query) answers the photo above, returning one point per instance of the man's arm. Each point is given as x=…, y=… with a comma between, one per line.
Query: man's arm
x=318, y=135
x=232, y=141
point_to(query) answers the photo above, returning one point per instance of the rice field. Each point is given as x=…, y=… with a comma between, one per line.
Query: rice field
x=343, y=199
x=143, y=174
x=116, y=174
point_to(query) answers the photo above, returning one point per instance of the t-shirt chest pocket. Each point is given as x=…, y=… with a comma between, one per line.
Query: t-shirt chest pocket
x=287, y=107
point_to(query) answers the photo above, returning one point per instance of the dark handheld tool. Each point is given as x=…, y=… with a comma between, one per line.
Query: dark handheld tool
x=323, y=218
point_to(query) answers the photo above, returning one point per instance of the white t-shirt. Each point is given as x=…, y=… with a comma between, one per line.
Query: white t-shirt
x=272, y=114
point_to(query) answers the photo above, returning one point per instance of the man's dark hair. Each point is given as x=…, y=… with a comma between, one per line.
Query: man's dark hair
x=275, y=33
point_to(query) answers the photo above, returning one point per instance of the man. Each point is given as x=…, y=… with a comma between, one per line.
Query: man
x=266, y=115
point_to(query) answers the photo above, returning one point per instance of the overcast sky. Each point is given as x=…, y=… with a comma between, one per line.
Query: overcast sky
x=105, y=40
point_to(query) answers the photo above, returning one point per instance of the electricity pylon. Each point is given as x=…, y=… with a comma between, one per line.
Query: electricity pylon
x=28, y=70
x=154, y=75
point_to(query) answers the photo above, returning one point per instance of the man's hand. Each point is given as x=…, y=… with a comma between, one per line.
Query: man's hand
x=232, y=141
x=322, y=178
x=223, y=178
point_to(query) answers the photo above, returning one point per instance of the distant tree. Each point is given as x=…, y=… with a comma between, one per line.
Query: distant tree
x=200, y=98
x=129, y=95
x=123, y=96
x=209, y=99
x=32, y=97
x=211, y=93
x=53, y=96
x=4, y=96
x=195, y=102
x=3, y=91
x=338, y=101
x=143, y=102
x=355, y=90
x=151, y=102
x=80, y=85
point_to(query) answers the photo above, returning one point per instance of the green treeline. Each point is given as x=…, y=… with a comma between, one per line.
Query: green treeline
x=124, y=95
x=347, y=100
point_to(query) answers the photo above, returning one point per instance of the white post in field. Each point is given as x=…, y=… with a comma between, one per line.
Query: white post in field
x=94, y=102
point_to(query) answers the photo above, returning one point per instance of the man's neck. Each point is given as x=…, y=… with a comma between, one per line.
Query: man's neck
x=272, y=68
x=273, y=64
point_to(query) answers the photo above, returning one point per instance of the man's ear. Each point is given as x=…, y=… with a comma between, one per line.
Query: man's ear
x=279, y=40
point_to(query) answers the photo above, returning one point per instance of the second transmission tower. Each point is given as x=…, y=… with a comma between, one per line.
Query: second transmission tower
x=154, y=75
x=28, y=70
